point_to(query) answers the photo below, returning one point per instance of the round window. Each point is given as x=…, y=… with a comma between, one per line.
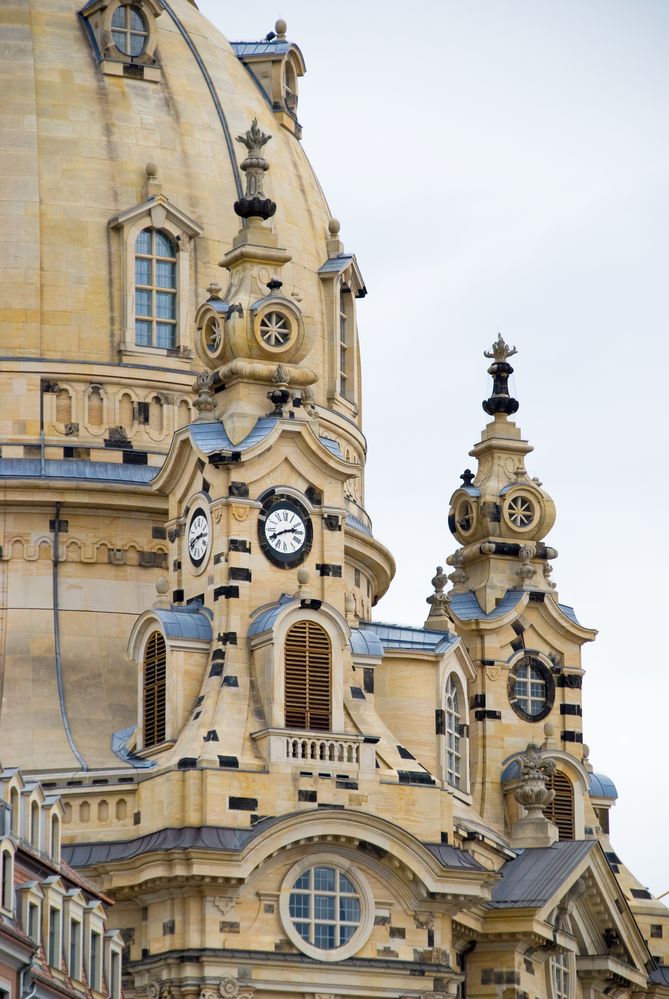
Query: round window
x=521, y=511
x=212, y=335
x=129, y=30
x=531, y=689
x=464, y=517
x=327, y=910
x=275, y=329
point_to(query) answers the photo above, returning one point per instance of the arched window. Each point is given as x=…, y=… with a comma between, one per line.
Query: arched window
x=453, y=722
x=308, y=677
x=155, y=669
x=6, y=880
x=346, y=351
x=14, y=804
x=561, y=809
x=560, y=977
x=155, y=290
x=55, y=837
x=34, y=825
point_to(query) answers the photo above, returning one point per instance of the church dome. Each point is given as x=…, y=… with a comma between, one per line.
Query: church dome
x=84, y=124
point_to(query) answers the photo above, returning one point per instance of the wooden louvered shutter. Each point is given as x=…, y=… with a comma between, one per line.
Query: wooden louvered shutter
x=308, y=677
x=561, y=809
x=155, y=669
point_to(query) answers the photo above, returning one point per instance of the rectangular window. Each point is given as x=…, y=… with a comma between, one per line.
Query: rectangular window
x=75, y=949
x=94, y=964
x=115, y=975
x=54, y=937
x=344, y=343
x=33, y=922
x=656, y=930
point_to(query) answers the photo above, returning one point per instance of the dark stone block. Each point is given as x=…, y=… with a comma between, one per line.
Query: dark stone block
x=135, y=458
x=304, y=795
x=239, y=489
x=230, y=681
x=571, y=709
x=237, y=572
x=242, y=804
x=239, y=545
x=368, y=680
x=216, y=669
x=357, y=694
x=405, y=754
x=228, y=761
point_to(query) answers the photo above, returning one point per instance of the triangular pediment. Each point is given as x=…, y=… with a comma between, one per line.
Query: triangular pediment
x=158, y=212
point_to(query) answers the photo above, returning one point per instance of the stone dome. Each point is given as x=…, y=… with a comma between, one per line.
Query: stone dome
x=120, y=174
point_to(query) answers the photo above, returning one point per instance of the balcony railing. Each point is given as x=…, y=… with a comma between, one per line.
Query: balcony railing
x=324, y=751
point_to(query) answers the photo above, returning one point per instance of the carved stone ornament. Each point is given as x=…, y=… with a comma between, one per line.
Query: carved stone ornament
x=500, y=350
x=438, y=600
x=230, y=988
x=254, y=202
x=535, y=769
x=71, y=429
x=240, y=513
x=459, y=576
x=205, y=402
x=548, y=569
x=526, y=570
x=118, y=434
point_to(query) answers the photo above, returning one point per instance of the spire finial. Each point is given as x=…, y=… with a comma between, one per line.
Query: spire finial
x=500, y=401
x=254, y=203
x=438, y=619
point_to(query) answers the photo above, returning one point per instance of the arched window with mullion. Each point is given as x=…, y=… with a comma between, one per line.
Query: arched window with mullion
x=308, y=677
x=453, y=730
x=155, y=290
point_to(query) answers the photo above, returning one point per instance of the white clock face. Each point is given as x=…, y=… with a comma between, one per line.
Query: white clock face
x=198, y=538
x=285, y=531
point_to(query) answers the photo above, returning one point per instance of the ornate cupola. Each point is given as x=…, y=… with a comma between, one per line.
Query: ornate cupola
x=500, y=515
x=253, y=337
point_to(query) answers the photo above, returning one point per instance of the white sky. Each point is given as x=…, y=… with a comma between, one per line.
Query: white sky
x=503, y=165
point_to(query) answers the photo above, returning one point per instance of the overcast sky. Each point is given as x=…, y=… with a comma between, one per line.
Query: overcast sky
x=503, y=165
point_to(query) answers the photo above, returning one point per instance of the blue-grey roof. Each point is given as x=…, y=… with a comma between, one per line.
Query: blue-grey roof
x=265, y=620
x=210, y=437
x=119, y=745
x=357, y=524
x=536, y=874
x=467, y=608
x=56, y=468
x=569, y=612
x=451, y=856
x=335, y=265
x=192, y=621
x=602, y=786
x=246, y=50
x=660, y=974
x=396, y=636
x=470, y=490
x=332, y=446
x=365, y=643
x=511, y=771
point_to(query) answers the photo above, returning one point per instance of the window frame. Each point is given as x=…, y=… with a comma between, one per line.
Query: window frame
x=310, y=678
x=154, y=289
x=6, y=878
x=157, y=213
x=160, y=684
x=536, y=661
x=453, y=731
x=367, y=906
x=564, y=962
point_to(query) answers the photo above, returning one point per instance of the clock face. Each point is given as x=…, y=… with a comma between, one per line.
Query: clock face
x=198, y=537
x=285, y=531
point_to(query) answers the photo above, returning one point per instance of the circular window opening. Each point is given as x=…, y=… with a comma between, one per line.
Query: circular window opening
x=520, y=511
x=326, y=911
x=212, y=335
x=275, y=329
x=531, y=689
x=464, y=517
x=129, y=30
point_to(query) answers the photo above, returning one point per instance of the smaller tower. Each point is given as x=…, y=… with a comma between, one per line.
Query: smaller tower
x=500, y=515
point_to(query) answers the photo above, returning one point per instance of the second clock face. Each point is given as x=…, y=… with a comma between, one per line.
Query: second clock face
x=285, y=532
x=198, y=537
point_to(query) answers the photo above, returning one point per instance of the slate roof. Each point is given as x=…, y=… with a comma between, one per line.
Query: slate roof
x=396, y=636
x=246, y=50
x=467, y=608
x=211, y=437
x=56, y=468
x=660, y=975
x=192, y=621
x=357, y=524
x=529, y=881
x=602, y=786
x=265, y=620
x=569, y=612
x=365, y=643
x=332, y=446
x=335, y=265
x=216, y=838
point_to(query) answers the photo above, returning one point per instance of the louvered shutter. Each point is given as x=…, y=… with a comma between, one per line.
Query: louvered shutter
x=155, y=669
x=561, y=809
x=308, y=677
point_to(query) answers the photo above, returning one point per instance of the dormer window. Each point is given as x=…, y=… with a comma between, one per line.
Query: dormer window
x=129, y=30
x=124, y=37
x=308, y=677
x=155, y=675
x=155, y=290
